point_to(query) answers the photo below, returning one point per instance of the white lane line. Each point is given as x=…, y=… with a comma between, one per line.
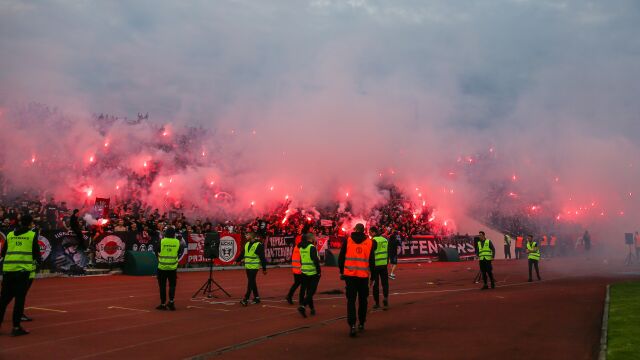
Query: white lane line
x=126, y=308
x=44, y=309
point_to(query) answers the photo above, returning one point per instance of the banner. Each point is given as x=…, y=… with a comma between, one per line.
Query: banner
x=427, y=246
x=229, y=249
x=62, y=251
x=110, y=248
x=3, y=240
x=278, y=249
x=324, y=222
x=323, y=244
x=101, y=207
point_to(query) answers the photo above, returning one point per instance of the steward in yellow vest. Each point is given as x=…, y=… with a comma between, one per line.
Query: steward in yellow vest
x=380, y=272
x=533, y=252
x=253, y=255
x=310, y=273
x=486, y=252
x=168, y=254
x=20, y=253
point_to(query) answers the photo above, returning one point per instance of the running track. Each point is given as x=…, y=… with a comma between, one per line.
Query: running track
x=436, y=312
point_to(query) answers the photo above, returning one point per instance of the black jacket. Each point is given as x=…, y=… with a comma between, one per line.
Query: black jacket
x=259, y=252
x=313, y=253
x=35, y=249
x=358, y=238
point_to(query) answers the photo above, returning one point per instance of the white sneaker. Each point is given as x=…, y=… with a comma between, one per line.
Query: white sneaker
x=392, y=276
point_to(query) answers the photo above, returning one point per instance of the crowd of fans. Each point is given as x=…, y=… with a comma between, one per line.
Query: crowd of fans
x=397, y=217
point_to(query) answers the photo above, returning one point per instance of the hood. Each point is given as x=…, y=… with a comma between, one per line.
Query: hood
x=19, y=231
x=358, y=237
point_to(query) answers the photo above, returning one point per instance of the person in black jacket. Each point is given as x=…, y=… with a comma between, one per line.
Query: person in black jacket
x=252, y=285
x=310, y=274
x=15, y=284
x=356, y=277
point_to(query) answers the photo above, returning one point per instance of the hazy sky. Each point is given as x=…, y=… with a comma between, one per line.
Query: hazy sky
x=357, y=86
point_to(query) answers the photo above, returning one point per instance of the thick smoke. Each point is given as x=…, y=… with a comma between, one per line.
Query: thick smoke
x=319, y=99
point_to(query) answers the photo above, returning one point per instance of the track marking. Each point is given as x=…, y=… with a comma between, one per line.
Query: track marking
x=45, y=309
x=125, y=308
x=200, y=307
x=277, y=307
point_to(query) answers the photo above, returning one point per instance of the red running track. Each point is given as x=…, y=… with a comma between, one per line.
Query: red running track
x=436, y=312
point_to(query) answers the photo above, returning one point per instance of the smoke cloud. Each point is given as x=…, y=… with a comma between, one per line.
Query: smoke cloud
x=479, y=107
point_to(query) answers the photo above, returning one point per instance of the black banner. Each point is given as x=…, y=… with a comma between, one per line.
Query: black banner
x=278, y=249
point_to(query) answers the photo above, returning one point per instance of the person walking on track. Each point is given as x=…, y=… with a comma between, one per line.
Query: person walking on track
x=253, y=256
x=20, y=252
x=167, y=268
x=357, y=262
x=486, y=252
x=507, y=246
x=380, y=273
x=533, y=251
x=296, y=268
x=310, y=273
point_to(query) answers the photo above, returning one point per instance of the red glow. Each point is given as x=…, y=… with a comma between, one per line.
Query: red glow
x=170, y=180
x=212, y=182
x=621, y=213
x=420, y=195
x=557, y=179
x=160, y=184
x=347, y=194
x=424, y=203
x=103, y=221
x=271, y=188
x=106, y=144
x=89, y=192
x=512, y=194
x=286, y=197
x=145, y=164
x=308, y=218
x=117, y=187
x=91, y=159
x=253, y=203
x=514, y=177
x=33, y=159
x=165, y=133
x=203, y=154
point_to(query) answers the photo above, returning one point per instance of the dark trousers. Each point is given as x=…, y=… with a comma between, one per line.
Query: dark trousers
x=297, y=281
x=308, y=289
x=357, y=288
x=14, y=286
x=507, y=252
x=487, y=271
x=533, y=263
x=380, y=275
x=163, y=276
x=252, y=285
x=28, y=288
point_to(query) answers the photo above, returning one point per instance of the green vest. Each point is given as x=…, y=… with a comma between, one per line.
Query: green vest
x=484, y=251
x=168, y=257
x=382, y=253
x=19, y=252
x=251, y=259
x=308, y=267
x=535, y=255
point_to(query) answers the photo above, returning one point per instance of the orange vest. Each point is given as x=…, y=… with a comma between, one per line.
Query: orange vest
x=637, y=241
x=519, y=240
x=356, y=262
x=296, y=264
x=544, y=241
x=553, y=240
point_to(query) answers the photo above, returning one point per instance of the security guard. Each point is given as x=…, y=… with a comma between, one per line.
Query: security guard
x=486, y=252
x=357, y=262
x=310, y=273
x=534, y=256
x=19, y=253
x=380, y=273
x=167, y=268
x=253, y=256
x=296, y=269
x=507, y=246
